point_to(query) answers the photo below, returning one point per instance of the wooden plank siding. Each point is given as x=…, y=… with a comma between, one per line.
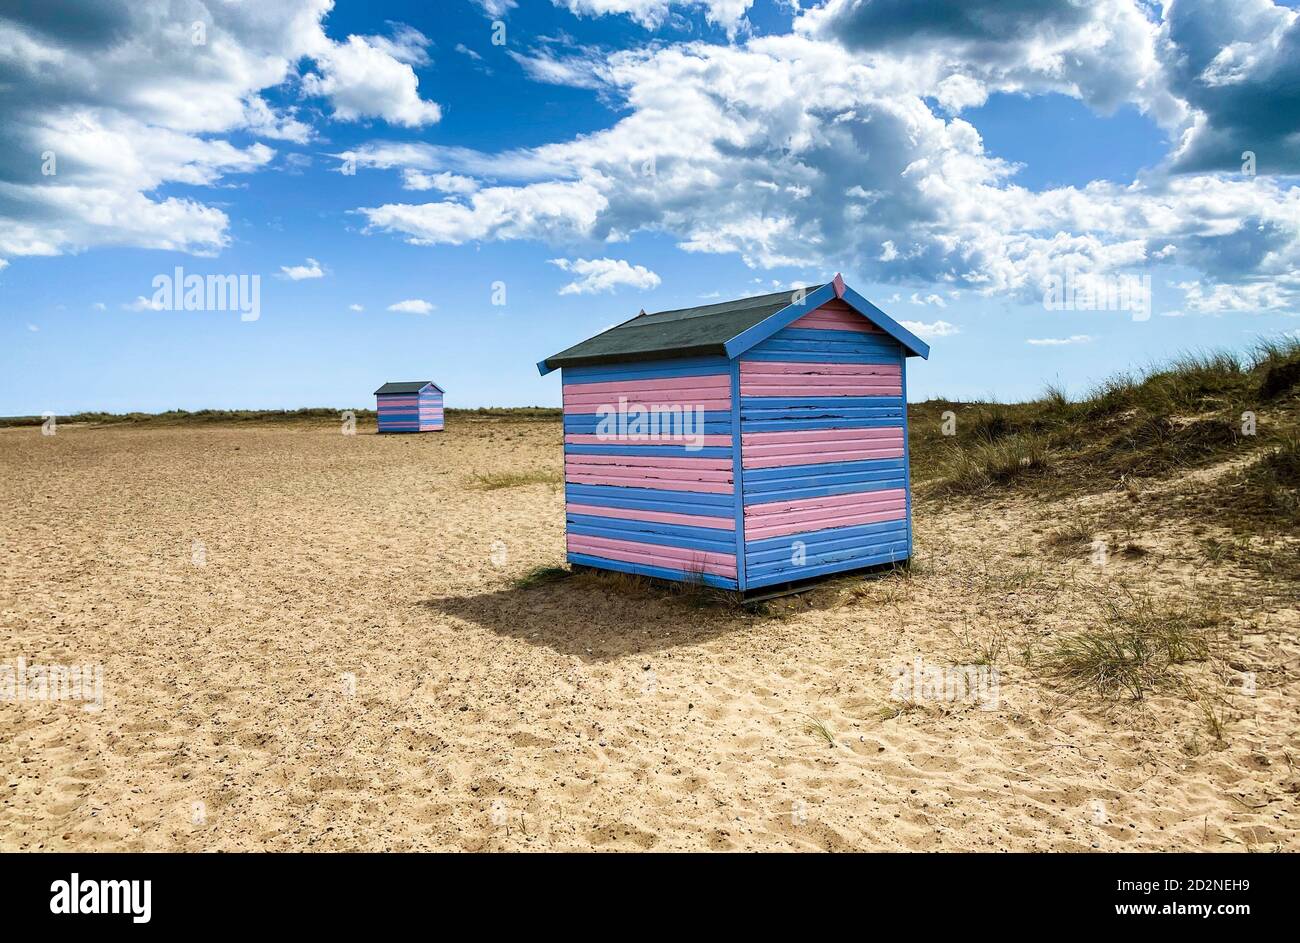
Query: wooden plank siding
x=658, y=505
x=410, y=412
x=801, y=465
x=823, y=449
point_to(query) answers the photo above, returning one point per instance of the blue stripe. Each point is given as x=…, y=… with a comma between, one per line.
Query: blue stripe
x=831, y=339
x=658, y=572
x=836, y=562
x=647, y=370
x=863, y=483
x=822, y=422
x=828, y=469
x=711, y=539
x=827, y=539
x=716, y=422
x=669, y=451
x=650, y=499
x=753, y=405
x=737, y=474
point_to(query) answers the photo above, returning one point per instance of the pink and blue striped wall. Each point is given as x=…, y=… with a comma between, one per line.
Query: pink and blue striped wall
x=801, y=471
x=661, y=507
x=410, y=412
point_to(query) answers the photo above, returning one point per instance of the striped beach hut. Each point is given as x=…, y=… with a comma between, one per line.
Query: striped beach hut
x=409, y=406
x=750, y=445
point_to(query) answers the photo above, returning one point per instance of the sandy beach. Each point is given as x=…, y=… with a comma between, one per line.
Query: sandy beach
x=312, y=641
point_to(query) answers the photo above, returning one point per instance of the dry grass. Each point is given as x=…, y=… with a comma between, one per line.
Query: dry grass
x=1133, y=648
x=495, y=481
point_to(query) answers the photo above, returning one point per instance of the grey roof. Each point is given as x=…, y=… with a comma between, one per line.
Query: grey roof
x=406, y=386
x=682, y=332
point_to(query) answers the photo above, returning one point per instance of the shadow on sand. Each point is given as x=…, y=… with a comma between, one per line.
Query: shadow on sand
x=596, y=621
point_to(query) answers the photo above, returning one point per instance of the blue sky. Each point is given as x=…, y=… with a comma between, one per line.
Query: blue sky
x=946, y=162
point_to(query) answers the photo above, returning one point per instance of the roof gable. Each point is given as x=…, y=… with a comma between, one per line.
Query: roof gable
x=729, y=328
x=407, y=386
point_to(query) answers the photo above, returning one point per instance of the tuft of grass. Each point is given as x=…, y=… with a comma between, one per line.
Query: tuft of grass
x=818, y=729
x=541, y=576
x=1133, y=649
x=1071, y=537
x=988, y=463
x=494, y=481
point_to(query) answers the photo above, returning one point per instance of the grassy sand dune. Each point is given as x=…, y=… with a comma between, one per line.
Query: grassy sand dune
x=318, y=641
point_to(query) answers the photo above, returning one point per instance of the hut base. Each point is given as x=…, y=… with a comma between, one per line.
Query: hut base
x=774, y=591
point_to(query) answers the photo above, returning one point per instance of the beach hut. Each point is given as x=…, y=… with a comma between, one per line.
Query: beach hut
x=750, y=445
x=409, y=406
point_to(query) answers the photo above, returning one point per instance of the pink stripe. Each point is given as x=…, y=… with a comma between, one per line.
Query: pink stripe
x=820, y=446
x=587, y=438
x=720, y=381
x=821, y=458
x=836, y=315
x=753, y=532
x=659, y=517
x=758, y=378
x=815, y=386
x=649, y=472
x=662, y=484
x=638, y=462
x=829, y=501
x=573, y=409
x=676, y=558
x=822, y=435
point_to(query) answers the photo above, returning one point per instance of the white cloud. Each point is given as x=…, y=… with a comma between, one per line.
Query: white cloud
x=933, y=329
x=413, y=179
x=466, y=51
x=497, y=8
x=1059, y=341
x=356, y=307
x=364, y=77
x=310, y=269
x=125, y=103
x=794, y=150
x=653, y=13
x=413, y=306
x=142, y=303
x=33, y=328
x=600, y=275
x=99, y=306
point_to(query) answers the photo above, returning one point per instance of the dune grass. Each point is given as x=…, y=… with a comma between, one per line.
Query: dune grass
x=1133, y=648
x=495, y=481
x=1185, y=414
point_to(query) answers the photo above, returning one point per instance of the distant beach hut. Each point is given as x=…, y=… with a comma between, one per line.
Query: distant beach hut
x=411, y=406
x=750, y=445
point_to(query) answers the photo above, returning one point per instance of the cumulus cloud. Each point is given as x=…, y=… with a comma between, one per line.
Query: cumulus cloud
x=932, y=329
x=413, y=306
x=801, y=151
x=1237, y=64
x=413, y=179
x=309, y=269
x=600, y=275
x=356, y=307
x=107, y=101
x=1059, y=341
x=652, y=14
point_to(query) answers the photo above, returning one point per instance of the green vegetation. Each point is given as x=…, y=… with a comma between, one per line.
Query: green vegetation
x=313, y=414
x=1133, y=648
x=1170, y=419
x=494, y=481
